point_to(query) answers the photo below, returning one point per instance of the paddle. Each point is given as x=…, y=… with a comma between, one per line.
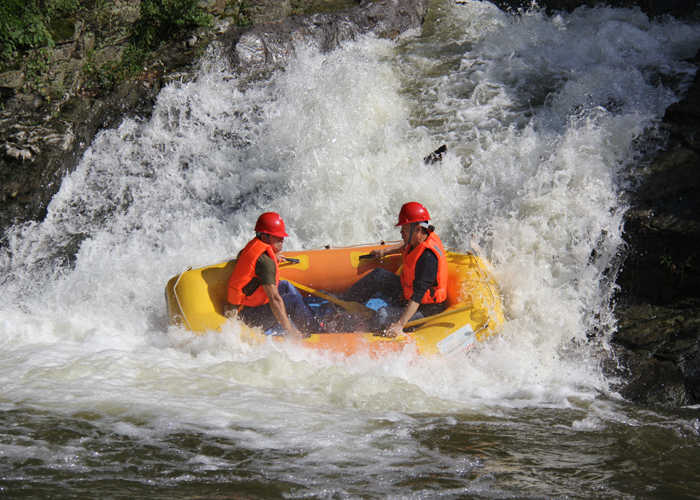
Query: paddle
x=350, y=306
x=422, y=320
x=436, y=155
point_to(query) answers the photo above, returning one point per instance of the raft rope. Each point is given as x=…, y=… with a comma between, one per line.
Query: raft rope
x=177, y=299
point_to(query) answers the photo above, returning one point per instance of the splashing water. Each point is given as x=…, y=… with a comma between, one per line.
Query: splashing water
x=543, y=117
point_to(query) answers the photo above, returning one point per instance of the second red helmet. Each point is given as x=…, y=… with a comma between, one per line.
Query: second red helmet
x=271, y=223
x=412, y=212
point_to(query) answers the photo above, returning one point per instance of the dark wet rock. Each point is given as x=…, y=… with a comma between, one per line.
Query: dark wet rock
x=269, y=46
x=663, y=231
x=659, y=350
x=658, y=337
x=679, y=8
x=38, y=149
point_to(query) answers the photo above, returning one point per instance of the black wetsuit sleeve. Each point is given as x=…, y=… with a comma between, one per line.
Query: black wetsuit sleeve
x=426, y=275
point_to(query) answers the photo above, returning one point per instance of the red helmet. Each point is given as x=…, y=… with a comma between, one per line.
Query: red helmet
x=271, y=223
x=413, y=212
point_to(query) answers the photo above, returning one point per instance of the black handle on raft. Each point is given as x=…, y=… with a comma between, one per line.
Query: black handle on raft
x=291, y=260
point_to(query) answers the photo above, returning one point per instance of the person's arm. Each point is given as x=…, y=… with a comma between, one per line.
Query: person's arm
x=383, y=252
x=278, y=309
x=396, y=328
x=425, y=277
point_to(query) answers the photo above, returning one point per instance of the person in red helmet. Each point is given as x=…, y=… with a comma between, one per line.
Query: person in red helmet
x=421, y=289
x=255, y=293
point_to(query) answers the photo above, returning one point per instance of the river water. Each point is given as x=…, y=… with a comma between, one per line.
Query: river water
x=542, y=116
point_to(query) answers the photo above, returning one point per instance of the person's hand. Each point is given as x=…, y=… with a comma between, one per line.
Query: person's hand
x=294, y=331
x=377, y=253
x=230, y=311
x=393, y=330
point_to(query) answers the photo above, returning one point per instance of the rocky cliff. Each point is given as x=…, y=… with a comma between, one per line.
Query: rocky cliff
x=658, y=339
x=55, y=103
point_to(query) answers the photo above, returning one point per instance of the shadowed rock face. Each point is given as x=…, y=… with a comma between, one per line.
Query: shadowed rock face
x=650, y=7
x=658, y=338
x=40, y=147
x=267, y=47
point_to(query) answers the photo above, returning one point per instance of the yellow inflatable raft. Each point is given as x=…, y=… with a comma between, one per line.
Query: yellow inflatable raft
x=195, y=300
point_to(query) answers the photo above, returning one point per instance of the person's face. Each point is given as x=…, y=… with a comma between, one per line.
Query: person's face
x=276, y=243
x=406, y=235
x=409, y=238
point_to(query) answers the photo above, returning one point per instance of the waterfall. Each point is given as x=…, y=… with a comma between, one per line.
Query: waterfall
x=543, y=117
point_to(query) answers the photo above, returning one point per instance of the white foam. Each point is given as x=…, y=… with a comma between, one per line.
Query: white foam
x=540, y=115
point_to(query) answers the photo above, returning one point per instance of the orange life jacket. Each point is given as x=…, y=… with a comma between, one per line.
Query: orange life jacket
x=244, y=272
x=435, y=294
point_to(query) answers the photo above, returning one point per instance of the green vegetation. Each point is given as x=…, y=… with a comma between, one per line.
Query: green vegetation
x=106, y=76
x=239, y=12
x=115, y=39
x=29, y=29
x=27, y=24
x=159, y=22
x=162, y=20
x=36, y=66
